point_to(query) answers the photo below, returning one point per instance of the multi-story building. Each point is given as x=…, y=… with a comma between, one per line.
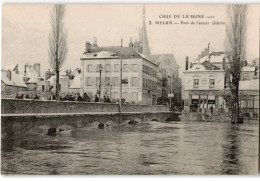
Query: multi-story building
x=208, y=75
x=137, y=70
x=202, y=84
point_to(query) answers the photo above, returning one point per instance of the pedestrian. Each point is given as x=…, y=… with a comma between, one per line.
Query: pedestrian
x=36, y=96
x=66, y=98
x=211, y=109
x=85, y=97
x=79, y=98
x=52, y=97
x=108, y=100
x=71, y=98
x=27, y=96
x=105, y=99
x=96, y=98
x=17, y=96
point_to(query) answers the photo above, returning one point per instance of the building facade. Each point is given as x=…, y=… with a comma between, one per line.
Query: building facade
x=202, y=85
x=139, y=72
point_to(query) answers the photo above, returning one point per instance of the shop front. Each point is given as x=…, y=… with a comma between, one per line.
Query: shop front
x=203, y=100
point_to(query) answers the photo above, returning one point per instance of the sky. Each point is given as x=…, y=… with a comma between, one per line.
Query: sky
x=25, y=30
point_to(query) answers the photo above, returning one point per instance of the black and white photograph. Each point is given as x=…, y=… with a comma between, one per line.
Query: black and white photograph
x=130, y=89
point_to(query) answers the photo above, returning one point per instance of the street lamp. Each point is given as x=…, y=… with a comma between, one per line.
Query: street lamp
x=100, y=68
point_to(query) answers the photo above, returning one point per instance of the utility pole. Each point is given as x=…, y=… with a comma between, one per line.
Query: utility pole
x=170, y=88
x=120, y=102
x=100, y=71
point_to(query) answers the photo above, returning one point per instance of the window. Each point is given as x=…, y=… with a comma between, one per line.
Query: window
x=116, y=81
x=211, y=83
x=89, y=81
x=143, y=83
x=195, y=83
x=125, y=68
x=134, y=68
x=89, y=68
x=116, y=67
x=107, y=68
x=107, y=81
x=134, y=81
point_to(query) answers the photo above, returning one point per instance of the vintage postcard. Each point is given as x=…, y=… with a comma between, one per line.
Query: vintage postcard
x=130, y=89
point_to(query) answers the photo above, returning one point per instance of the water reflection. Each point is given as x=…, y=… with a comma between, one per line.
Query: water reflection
x=231, y=151
x=145, y=148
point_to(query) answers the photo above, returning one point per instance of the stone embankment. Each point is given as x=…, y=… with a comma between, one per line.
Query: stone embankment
x=219, y=117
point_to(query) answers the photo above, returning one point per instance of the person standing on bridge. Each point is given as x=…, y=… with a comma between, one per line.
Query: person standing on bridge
x=96, y=98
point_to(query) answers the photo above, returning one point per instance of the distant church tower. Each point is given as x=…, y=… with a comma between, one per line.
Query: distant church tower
x=144, y=39
x=142, y=45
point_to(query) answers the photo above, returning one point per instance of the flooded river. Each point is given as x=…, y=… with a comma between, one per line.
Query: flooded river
x=145, y=148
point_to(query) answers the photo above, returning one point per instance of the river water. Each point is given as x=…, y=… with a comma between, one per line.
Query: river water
x=146, y=148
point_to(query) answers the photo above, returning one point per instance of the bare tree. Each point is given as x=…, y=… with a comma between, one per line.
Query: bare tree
x=57, y=41
x=236, y=50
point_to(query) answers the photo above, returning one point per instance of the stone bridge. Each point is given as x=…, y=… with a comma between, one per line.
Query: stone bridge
x=24, y=117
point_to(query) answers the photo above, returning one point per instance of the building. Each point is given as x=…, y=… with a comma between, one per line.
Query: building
x=248, y=73
x=138, y=71
x=202, y=84
x=170, y=71
x=250, y=102
x=210, y=74
x=12, y=82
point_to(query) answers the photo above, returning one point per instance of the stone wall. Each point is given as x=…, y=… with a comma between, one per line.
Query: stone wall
x=17, y=106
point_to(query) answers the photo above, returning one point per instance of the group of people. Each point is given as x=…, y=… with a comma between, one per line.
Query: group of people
x=106, y=99
x=27, y=96
x=62, y=97
x=71, y=97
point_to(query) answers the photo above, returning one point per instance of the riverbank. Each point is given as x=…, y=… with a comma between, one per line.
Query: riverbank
x=223, y=117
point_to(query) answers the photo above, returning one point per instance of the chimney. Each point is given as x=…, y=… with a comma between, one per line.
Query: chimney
x=187, y=63
x=25, y=72
x=88, y=45
x=224, y=63
x=9, y=74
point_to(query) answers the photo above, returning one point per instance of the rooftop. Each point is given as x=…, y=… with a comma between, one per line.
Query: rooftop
x=215, y=57
x=204, y=66
x=112, y=52
x=16, y=79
